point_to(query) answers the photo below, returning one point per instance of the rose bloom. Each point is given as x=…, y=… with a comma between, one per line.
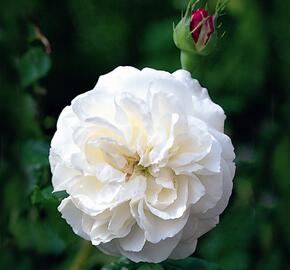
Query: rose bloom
x=145, y=162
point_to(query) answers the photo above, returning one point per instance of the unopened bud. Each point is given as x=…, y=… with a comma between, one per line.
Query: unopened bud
x=195, y=34
x=201, y=27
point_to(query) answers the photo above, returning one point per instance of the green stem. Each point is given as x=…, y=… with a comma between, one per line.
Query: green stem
x=81, y=256
x=188, y=61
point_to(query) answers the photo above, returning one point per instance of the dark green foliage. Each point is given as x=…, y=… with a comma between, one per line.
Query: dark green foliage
x=247, y=74
x=33, y=65
x=185, y=264
x=188, y=264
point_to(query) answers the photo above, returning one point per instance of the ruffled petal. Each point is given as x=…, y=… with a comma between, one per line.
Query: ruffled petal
x=73, y=216
x=153, y=226
x=154, y=253
x=134, y=241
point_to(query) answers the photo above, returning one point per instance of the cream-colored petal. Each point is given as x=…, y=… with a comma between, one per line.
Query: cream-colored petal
x=154, y=253
x=134, y=241
x=73, y=216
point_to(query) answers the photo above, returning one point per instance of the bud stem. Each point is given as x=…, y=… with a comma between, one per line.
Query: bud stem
x=187, y=61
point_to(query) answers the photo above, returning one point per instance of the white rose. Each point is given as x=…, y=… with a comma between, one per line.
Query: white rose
x=145, y=162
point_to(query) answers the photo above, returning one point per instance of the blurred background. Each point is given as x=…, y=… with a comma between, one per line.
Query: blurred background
x=51, y=51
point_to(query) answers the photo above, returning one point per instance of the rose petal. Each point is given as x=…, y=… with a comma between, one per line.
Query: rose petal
x=73, y=216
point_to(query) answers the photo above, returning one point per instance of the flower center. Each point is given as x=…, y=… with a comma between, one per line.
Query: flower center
x=129, y=167
x=133, y=167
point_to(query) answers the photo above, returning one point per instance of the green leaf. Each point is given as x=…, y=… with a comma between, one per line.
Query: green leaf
x=186, y=264
x=33, y=65
x=281, y=161
x=34, y=233
x=40, y=196
x=125, y=264
x=35, y=153
x=46, y=195
x=122, y=263
x=189, y=264
x=34, y=157
x=145, y=267
x=150, y=266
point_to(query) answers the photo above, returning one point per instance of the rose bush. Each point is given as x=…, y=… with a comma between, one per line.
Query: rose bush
x=145, y=161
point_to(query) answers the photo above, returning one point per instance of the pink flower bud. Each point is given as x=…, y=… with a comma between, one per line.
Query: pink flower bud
x=201, y=26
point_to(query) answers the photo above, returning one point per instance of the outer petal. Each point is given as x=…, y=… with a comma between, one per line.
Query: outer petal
x=63, y=177
x=84, y=105
x=73, y=216
x=226, y=144
x=62, y=145
x=203, y=107
x=124, y=79
x=208, y=111
x=110, y=248
x=154, y=253
x=188, y=241
x=134, y=241
x=213, y=192
x=228, y=170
